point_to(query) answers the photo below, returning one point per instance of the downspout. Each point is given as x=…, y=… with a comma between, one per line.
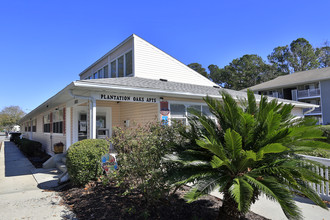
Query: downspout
x=92, y=112
x=310, y=110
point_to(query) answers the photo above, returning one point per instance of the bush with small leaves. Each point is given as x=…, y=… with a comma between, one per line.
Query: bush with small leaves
x=141, y=150
x=84, y=160
x=326, y=132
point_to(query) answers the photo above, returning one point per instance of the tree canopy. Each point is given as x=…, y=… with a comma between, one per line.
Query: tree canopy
x=9, y=116
x=323, y=54
x=302, y=55
x=198, y=68
x=251, y=69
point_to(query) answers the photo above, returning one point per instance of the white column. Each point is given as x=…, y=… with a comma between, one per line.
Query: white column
x=92, y=113
x=94, y=119
x=68, y=127
x=90, y=119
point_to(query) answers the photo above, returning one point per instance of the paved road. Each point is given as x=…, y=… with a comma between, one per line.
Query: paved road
x=22, y=197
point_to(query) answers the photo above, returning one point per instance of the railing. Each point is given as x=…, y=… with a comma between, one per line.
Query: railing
x=277, y=95
x=317, y=110
x=308, y=93
x=323, y=188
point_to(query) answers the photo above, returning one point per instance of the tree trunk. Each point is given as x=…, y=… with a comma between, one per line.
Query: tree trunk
x=229, y=209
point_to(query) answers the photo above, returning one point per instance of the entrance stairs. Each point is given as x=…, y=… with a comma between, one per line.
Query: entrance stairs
x=58, y=161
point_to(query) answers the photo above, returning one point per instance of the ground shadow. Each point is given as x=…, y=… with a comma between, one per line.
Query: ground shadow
x=46, y=178
x=16, y=164
x=306, y=200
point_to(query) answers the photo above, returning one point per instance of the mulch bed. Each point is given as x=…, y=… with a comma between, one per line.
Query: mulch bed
x=38, y=158
x=98, y=201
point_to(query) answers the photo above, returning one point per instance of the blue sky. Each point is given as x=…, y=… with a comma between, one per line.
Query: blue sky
x=45, y=44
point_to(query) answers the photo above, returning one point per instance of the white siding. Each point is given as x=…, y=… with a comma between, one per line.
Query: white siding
x=297, y=112
x=150, y=62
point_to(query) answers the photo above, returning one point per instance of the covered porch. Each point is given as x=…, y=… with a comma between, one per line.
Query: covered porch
x=94, y=116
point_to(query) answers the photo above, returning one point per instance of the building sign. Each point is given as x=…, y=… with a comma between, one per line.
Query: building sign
x=128, y=98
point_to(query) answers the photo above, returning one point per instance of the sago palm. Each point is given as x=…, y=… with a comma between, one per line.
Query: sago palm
x=248, y=151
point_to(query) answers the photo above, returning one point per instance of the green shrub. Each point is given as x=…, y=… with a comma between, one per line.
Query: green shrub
x=326, y=132
x=28, y=147
x=84, y=160
x=141, y=152
x=318, y=153
x=15, y=137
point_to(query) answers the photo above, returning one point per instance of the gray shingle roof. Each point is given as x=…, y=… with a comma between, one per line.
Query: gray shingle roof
x=143, y=83
x=174, y=87
x=294, y=79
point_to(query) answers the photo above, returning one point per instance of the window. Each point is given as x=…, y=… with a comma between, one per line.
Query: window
x=47, y=123
x=121, y=66
x=100, y=73
x=206, y=111
x=34, y=125
x=106, y=71
x=180, y=112
x=29, y=126
x=113, y=69
x=194, y=107
x=100, y=121
x=58, y=121
x=129, y=63
x=95, y=75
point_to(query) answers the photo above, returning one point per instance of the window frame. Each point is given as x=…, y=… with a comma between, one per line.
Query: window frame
x=46, y=126
x=115, y=74
x=58, y=121
x=187, y=105
x=125, y=63
x=119, y=67
x=34, y=125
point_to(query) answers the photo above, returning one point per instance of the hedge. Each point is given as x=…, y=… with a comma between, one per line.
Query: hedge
x=84, y=160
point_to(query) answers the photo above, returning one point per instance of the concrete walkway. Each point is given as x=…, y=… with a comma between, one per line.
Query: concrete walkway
x=23, y=189
x=272, y=210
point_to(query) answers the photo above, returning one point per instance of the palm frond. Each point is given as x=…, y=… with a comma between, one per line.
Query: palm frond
x=242, y=193
x=275, y=191
x=233, y=143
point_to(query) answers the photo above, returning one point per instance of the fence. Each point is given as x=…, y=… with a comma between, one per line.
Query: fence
x=323, y=188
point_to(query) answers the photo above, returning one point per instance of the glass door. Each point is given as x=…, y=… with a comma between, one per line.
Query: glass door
x=82, y=126
x=101, y=128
